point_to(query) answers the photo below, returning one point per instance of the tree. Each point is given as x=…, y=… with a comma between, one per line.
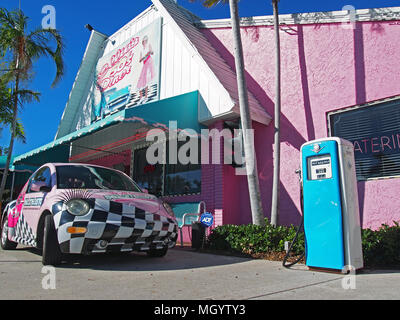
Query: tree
x=6, y=116
x=22, y=48
x=277, y=115
x=249, y=151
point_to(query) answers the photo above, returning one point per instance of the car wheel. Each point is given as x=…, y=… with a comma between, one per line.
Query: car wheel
x=51, y=254
x=157, y=253
x=6, y=244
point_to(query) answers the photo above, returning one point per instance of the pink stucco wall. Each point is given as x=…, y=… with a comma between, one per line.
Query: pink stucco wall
x=325, y=67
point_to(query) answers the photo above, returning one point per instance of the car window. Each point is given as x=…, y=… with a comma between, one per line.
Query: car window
x=88, y=177
x=43, y=175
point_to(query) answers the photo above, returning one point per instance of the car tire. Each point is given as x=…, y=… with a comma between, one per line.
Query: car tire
x=6, y=244
x=51, y=253
x=157, y=253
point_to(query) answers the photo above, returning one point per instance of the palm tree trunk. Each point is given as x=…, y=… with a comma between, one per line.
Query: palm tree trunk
x=277, y=115
x=11, y=145
x=249, y=151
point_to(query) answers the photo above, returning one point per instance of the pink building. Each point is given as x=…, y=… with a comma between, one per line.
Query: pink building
x=328, y=67
x=338, y=78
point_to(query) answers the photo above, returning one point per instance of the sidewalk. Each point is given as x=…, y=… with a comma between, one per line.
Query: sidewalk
x=184, y=274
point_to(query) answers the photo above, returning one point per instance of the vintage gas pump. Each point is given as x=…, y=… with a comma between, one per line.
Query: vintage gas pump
x=330, y=205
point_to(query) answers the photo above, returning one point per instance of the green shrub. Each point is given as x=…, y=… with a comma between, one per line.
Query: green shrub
x=380, y=247
x=251, y=239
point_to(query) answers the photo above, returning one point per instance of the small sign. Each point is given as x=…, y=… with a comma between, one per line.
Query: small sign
x=319, y=167
x=207, y=219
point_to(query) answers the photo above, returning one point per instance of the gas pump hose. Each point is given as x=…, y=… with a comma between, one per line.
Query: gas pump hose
x=298, y=230
x=291, y=246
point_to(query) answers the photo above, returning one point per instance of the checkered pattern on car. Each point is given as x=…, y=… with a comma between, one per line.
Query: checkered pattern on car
x=23, y=233
x=124, y=226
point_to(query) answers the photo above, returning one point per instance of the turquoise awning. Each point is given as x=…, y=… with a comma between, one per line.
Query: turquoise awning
x=183, y=109
x=15, y=168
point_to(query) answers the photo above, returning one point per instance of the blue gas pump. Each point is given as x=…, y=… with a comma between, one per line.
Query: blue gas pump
x=330, y=205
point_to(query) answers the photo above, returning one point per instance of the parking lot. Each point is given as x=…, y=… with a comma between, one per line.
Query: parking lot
x=182, y=274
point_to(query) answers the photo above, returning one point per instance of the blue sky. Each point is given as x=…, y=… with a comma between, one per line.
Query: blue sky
x=41, y=119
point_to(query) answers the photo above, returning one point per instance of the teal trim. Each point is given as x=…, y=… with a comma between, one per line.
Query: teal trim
x=16, y=168
x=58, y=150
x=186, y=207
x=22, y=173
x=183, y=109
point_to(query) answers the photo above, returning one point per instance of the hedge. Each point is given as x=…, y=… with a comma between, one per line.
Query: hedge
x=380, y=247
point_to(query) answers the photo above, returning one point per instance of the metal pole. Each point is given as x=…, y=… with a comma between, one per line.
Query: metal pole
x=12, y=186
x=277, y=115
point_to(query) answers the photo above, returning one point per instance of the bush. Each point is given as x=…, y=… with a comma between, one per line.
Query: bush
x=252, y=239
x=380, y=247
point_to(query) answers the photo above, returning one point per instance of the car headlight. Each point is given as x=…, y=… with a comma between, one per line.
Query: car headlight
x=168, y=208
x=77, y=207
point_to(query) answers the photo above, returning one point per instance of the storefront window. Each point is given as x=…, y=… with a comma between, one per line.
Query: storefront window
x=182, y=178
x=374, y=131
x=166, y=179
x=146, y=175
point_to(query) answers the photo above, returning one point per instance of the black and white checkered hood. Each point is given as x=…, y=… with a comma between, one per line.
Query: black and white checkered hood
x=124, y=226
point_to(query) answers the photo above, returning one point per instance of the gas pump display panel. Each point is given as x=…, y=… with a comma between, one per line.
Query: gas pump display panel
x=319, y=167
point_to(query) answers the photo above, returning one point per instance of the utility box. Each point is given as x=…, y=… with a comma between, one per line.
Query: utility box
x=331, y=211
x=198, y=234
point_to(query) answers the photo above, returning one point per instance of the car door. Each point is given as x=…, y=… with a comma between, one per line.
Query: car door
x=31, y=208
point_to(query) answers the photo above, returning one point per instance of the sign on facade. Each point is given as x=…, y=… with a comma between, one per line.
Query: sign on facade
x=129, y=75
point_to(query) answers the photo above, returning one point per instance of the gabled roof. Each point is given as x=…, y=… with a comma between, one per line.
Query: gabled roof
x=210, y=61
x=185, y=24
x=83, y=79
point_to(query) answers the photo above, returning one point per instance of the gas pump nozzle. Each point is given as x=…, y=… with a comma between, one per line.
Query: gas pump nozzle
x=297, y=171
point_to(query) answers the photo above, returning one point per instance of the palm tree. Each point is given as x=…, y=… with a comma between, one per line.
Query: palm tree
x=277, y=115
x=249, y=151
x=22, y=48
x=6, y=116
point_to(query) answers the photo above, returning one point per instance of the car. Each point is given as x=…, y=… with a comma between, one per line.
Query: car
x=67, y=208
x=112, y=101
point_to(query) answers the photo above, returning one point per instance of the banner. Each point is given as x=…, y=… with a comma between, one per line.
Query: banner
x=130, y=74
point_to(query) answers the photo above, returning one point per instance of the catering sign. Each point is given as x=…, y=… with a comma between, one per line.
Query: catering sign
x=129, y=75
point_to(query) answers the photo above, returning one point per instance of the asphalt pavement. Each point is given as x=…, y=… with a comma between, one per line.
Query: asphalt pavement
x=183, y=274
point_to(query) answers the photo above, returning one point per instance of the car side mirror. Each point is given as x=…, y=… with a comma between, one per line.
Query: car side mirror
x=40, y=186
x=145, y=190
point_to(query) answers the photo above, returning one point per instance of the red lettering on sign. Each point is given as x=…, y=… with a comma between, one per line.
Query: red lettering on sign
x=383, y=144
x=357, y=147
x=118, y=67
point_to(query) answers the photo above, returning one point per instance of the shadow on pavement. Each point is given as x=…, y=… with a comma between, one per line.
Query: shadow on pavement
x=175, y=259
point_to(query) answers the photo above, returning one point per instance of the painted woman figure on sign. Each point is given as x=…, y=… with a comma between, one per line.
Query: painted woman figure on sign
x=148, y=73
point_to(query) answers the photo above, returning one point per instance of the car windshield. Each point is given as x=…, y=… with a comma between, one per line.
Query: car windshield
x=88, y=177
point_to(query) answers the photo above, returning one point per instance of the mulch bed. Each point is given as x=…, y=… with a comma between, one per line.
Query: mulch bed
x=276, y=256
x=272, y=256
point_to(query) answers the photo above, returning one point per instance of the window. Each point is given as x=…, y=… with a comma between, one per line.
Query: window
x=88, y=177
x=374, y=131
x=166, y=179
x=146, y=175
x=42, y=175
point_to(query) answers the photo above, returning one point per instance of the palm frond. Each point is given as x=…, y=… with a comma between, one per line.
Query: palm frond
x=37, y=45
x=27, y=96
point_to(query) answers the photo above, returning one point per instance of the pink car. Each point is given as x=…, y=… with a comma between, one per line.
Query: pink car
x=85, y=209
